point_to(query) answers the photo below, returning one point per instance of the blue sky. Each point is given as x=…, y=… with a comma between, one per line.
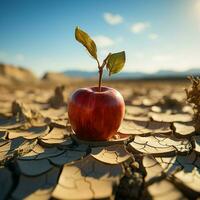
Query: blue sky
x=156, y=34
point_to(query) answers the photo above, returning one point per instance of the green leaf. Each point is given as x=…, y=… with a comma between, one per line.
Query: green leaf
x=116, y=62
x=86, y=41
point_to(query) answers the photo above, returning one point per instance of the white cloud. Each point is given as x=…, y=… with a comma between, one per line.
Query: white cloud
x=139, y=27
x=197, y=8
x=139, y=55
x=119, y=39
x=104, y=52
x=153, y=36
x=152, y=62
x=20, y=57
x=103, y=41
x=162, y=58
x=196, y=12
x=113, y=19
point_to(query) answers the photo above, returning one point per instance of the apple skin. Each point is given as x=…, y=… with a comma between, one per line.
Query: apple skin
x=95, y=115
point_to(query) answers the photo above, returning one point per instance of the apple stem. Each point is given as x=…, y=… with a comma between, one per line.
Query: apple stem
x=100, y=78
x=101, y=70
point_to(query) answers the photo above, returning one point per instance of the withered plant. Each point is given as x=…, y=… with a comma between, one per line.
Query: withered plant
x=193, y=97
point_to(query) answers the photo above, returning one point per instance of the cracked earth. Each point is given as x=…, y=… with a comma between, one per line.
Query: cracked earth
x=154, y=155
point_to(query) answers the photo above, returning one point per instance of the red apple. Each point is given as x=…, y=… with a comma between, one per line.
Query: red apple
x=96, y=115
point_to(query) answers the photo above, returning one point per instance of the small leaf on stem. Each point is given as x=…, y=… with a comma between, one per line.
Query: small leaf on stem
x=86, y=41
x=115, y=62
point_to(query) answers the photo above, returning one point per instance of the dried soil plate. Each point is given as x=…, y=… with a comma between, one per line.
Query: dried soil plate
x=136, y=110
x=190, y=179
x=159, y=146
x=159, y=127
x=5, y=182
x=165, y=190
x=112, y=155
x=117, y=139
x=15, y=147
x=31, y=133
x=54, y=114
x=22, y=145
x=39, y=152
x=87, y=179
x=152, y=167
x=157, y=186
x=164, y=117
x=10, y=123
x=56, y=142
x=33, y=167
x=173, y=164
x=59, y=123
x=37, y=187
x=134, y=127
x=137, y=118
x=56, y=133
x=196, y=140
x=67, y=157
x=57, y=136
x=183, y=130
x=181, y=145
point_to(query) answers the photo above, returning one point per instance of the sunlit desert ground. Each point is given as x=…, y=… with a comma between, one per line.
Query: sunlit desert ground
x=154, y=155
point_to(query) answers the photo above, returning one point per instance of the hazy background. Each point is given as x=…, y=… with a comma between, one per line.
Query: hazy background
x=156, y=34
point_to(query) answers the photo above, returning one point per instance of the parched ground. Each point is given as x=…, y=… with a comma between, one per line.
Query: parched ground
x=154, y=155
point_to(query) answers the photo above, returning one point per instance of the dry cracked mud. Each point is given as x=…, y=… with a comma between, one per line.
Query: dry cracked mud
x=154, y=155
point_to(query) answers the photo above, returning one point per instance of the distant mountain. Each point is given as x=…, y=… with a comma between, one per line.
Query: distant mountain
x=170, y=73
x=79, y=73
x=94, y=74
x=136, y=75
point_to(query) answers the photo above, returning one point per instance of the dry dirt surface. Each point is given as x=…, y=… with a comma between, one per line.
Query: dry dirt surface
x=154, y=155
